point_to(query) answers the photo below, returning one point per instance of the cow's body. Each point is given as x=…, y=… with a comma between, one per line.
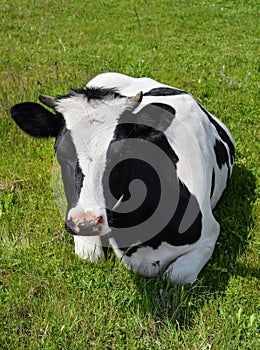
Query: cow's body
x=201, y=153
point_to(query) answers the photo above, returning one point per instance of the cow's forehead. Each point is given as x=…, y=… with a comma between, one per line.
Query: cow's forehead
x=79, y=110
x=91, y=124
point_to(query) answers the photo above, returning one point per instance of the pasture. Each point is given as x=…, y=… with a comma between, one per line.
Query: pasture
x=49, y=298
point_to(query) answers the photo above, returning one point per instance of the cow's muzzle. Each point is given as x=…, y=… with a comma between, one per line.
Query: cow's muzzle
x=87, y=224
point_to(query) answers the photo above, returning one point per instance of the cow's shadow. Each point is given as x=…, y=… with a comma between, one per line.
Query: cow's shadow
x=166, y=301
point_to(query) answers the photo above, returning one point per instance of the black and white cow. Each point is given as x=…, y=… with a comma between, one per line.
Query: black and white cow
x=186, y=160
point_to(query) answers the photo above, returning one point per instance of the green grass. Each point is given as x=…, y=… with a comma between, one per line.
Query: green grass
x=50, y=299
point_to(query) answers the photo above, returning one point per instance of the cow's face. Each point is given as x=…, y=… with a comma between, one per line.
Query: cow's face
x=82, y=147
x=84, y=125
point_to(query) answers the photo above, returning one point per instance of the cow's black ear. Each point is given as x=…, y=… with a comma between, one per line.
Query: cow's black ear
x=36, y=120
x=158, y=116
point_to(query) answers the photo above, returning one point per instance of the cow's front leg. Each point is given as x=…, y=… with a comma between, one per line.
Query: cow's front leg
x=186, y=268
x=88, y=247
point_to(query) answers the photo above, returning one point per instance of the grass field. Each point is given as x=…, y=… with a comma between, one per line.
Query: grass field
x=50, y=299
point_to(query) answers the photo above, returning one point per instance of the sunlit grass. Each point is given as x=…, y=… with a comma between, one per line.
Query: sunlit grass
x=49, y=299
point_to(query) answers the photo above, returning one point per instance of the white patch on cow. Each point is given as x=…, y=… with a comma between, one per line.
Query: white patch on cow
x=186, y=267
x=148, y=261
x=181, y=263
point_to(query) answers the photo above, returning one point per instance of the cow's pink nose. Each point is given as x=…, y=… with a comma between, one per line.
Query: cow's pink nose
x=86, y=223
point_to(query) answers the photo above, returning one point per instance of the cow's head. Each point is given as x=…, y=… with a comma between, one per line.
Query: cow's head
x=87, y=124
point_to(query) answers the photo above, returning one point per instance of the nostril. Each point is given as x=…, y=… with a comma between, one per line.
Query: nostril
x=100, y=220
x=92, y=223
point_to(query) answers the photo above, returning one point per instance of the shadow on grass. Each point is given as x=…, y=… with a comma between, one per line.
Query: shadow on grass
x=176, y=304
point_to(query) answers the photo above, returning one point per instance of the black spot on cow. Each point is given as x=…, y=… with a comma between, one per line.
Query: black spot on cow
x=222, y=134
x=127, y=171
x=36, y=120
x=212, y=183
x=71, y=171
x=171, y=232
x=165, y=91
x=164, y=106
x=221, y=154
x=147, y=123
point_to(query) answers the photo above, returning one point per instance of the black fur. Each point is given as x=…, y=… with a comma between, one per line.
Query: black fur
x=222, y=134
x=147, y=122
x=36, y=120
x=164, y=91
x=94, y=93
x=212, y=183
x=130, y=169
x=221, y=155
x=72, y=175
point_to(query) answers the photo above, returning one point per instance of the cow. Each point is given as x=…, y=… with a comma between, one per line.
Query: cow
x=143, y=165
